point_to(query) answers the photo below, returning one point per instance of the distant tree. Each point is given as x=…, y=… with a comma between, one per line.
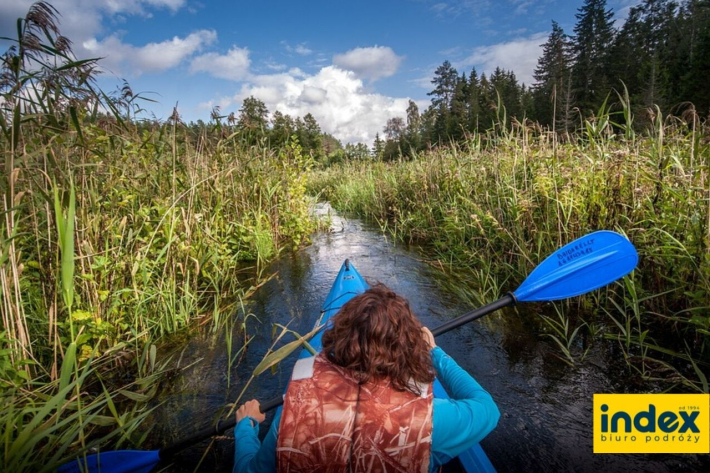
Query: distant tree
x=626, y=58
x=309, y=135
x=458, y=111
x=253, y=120
x=357, y=151
x=394, y=129
x=474, y=106
x=642, y=52
x=486, y=104
x=392, y=151
x=362, y=152
x=551, y=76
x=426, y=128
x=330, y=144
x=300, y=127
x=336, y=157
x=253, y=114
x=594, y=35
x=445, y=80
x=506, y=88
x=378, y=147
x=412, y=135
x=661, y=53
x=694, y=23
x=527, y=103
x=282, y=127
x=658, y=19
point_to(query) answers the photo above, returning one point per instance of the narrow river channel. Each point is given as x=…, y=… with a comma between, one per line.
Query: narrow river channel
x=546, y=405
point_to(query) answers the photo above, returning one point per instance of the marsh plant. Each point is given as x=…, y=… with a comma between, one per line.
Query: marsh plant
x=118, y=233
x=499, y=202
x=115, y=233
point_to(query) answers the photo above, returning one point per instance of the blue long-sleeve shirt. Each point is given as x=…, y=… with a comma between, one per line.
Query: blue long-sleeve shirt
x=459, y=423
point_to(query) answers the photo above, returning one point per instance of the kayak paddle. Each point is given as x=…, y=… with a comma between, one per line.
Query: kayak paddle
x=586, y=264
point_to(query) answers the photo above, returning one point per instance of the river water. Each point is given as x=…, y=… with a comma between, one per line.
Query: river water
x=546, y=405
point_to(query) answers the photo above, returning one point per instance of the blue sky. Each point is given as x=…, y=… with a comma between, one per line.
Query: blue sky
x=353, y=65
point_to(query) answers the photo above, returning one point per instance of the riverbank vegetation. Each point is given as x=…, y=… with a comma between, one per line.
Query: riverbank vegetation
x=119, y=232
x=500, y=202
x=115, y=233
x=613, y=134
x=659, y=53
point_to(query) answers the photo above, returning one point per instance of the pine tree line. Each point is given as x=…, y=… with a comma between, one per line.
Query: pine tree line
x=254, y=128
x=661, y=54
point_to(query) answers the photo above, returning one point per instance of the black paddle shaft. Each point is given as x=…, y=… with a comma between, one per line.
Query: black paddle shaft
x=505, y=301
x=223, y=426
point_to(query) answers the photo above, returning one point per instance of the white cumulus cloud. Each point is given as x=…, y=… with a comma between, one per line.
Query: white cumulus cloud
x=519, y=55
x=302, y=50
x=273, y=65
x=152, y=57
x=371, y=63
x=82, y=22
x=232, y=66
x=299, y=49
x=337, y=98
x=173, y=5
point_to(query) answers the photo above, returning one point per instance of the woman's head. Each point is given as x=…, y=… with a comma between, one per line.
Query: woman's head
x=377, y=335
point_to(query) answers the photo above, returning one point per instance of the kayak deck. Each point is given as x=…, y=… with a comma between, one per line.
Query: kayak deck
x=349, y=283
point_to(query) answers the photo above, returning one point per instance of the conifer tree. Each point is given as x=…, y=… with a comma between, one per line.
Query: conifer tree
x=486, y=104
x=445, y=80
x=412, y=136
x=505, y=88
x=252, y=122
x=594, y=34
x=690, y=61
x=310, y=136
x=282, y=127
x=458, y=111
x=661, y=54
x=426, y=127
x=474, y=107
x=642, y=52
x=551, y=77
x=378, y=147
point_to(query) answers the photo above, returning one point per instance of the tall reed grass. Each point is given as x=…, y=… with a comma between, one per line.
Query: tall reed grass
x=114, y=233
x=501, y=202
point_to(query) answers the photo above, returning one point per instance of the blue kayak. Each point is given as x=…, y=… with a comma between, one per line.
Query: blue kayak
x=347, y=285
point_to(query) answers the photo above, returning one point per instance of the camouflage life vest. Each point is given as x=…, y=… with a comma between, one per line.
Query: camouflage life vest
x=330, y=423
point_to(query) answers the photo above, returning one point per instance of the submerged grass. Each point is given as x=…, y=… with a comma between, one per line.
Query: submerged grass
x=501, y=202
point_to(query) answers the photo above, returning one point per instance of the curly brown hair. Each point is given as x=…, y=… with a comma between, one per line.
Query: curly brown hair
x=376, y=335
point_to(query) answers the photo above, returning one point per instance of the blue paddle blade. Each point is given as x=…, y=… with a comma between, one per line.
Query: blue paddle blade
x=583, y=265
x=122, y=461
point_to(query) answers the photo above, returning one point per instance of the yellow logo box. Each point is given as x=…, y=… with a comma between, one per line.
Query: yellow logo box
x=652, y=423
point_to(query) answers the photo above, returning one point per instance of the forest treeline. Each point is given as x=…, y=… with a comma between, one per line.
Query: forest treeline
x=119, y=235
x=255, y=126
x=660, y=57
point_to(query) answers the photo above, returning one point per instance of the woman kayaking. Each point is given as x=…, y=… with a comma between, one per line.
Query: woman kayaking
x=365, y=402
